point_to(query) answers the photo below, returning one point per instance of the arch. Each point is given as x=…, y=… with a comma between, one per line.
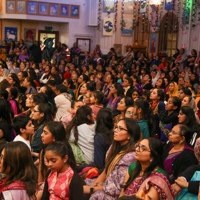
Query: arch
x=168, y=33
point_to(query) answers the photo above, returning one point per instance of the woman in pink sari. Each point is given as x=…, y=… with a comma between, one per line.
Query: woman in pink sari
x=146, y=178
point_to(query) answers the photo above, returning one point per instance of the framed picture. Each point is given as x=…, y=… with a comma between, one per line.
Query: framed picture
x=10, y=6
x=128, y=24
x=64, y=10
x=109, y=5
x=154, y=43
x=169, y=4
x=31, y=7
x=75, y=11
x=108, y=26
x=143, y=7
x=43, y=9
x=29, y=35
x=128, y=6
x=11, y=33
x=83, y=44
x=21, y=7
x=53, y=9
x=118, y=49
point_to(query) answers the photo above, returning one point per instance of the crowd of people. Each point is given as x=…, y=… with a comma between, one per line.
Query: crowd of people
x=98, y=127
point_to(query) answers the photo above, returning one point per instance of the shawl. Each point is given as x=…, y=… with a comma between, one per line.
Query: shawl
x=78, y=89
x=154, y=104
x=175, y=92
x=167, y=119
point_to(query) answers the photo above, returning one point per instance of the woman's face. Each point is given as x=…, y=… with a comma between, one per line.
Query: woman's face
x=29, y=102
x=80, y=79
x=10, y=80
x=1, y=160
x=47, y=137
x=113, y=90
x=181, y=117
x=135, y=95
x=171, y=87
x=154, y=95
x=83, y=89
x=26, y=83
x=86, y=98
x=65, y=83
x=121, y=134
x=129, y=112
x=185, y=101
x=143, y=152
x=121, y=106
x=22, y=66
x=159, y=83
x=175, y=135
x=36, y=115
x=169, y=105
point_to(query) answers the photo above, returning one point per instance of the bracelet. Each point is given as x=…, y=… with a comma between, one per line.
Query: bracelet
x=91, y=190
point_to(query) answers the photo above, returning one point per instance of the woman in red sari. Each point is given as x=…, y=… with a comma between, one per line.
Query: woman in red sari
x=19, y=178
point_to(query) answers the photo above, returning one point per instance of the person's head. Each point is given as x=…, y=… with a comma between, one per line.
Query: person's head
x=181, y=82
x=83, y=89
x=124, y=102
x=186, y=116
x=83, y=78
x=53, y=131
x=146, y=78
x=179, y=134
x=77, y=104
x=69, y=83
x=153, y=73
x=157, y=95
x=135, y=94
x=23, y=125
x=12, y=93
x=59, y=156
x=13, y=80
x=173, y=104
x=184, y=92
x=149, y=153
x=96, y=97
x=22, y=75
x=28, y=82
x=117, y=88
x=48, y=91
x=42, y=113
x=20, y=167
x=60, y=89
x=160, y=83
x=172, y=87
x=127, y=82
x=188, y=83
x=109, y=79
x=186, y=100
x=54, y=70
x=193, y=52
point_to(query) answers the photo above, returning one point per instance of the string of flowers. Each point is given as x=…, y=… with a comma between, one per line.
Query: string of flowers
x=184, y=14
x=138, y=14
x=178, y=10
x=142, y=5
x=116, y=9
x=134, y=14
x=99, y=16
x=160, y=13
x=146, y=15
x=122, y=17
x=194, y=12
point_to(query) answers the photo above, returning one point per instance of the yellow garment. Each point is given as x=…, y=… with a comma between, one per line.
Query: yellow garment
x=77, y=91
x=175, y=92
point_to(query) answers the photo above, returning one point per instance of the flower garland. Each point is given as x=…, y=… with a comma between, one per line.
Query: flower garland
x=99, y=16
x=185, y=14
x=194, y=12
x=116, y=9
x=178, y=13
x=160, y=13
x=134, y=14
x=122, y=17
x=146, y=16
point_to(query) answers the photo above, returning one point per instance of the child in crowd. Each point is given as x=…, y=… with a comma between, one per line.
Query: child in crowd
x=96, y=99
x=20, y=178
x=60, y=160
x=24, y=129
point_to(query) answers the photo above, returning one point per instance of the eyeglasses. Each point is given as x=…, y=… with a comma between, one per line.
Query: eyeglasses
x=141, y=148
x=129, y=113
x=120, y=128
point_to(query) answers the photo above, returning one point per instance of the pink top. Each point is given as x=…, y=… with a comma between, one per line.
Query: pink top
x=59, y=184
x=95, y=110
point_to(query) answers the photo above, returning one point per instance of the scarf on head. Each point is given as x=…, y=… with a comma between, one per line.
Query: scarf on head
x=175, y=92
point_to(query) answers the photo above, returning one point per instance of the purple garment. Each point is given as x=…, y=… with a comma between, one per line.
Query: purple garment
x=139, y=87
x=112, y=185
x=112, y=105
x=21, y=57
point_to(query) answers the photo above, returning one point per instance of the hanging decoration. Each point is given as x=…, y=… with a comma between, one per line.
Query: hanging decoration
x=185, y=14
x=194, y=12
x=178, y=10
x=99, y=16
x=115, y=19
x=143, y=11
x=122, y=16
x=108, y=26
x=146, y=16
x=160, y=13
x=134, y=14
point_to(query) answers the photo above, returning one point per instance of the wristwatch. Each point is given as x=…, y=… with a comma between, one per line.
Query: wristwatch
x=91, y=190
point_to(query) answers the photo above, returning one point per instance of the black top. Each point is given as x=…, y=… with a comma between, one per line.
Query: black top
x=193, y=186
x=75, y=188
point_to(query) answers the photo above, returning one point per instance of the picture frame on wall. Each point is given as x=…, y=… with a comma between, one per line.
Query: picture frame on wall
x=75, y=11
x=21, y=7
x=118, y=49
x=43, y=8
x=64, y=10
x=83, y=44
x=10, y=34
x=53, y=9
x=109, y=6
x=128, y=7
x=10, y=7
x=32, y=7
x=29, y=35
x=153, y=43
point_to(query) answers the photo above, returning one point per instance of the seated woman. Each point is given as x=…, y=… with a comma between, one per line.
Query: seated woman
x=117, y=92
x=189, y=179
x=157, y=105
x=169, y=117
x=30, y=86
x=178, y=156
x=119, y=156
x=135, y=93
x=80, y=133
x=173, y=89
x=160, y=84
x=147, y=177
x=187, y=117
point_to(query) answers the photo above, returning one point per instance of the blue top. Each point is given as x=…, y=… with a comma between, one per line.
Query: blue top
x=143, y=124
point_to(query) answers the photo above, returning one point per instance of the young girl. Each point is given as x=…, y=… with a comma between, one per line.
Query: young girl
x=96, y=99
x=62, y=181
x=20, y=173
x=144, y=117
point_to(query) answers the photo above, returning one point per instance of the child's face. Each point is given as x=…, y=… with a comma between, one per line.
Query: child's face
x=92, y=99
x=47, y=137
x=55, y=162
x=29, y=128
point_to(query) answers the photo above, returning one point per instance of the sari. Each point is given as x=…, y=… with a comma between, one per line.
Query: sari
x=157, y=179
